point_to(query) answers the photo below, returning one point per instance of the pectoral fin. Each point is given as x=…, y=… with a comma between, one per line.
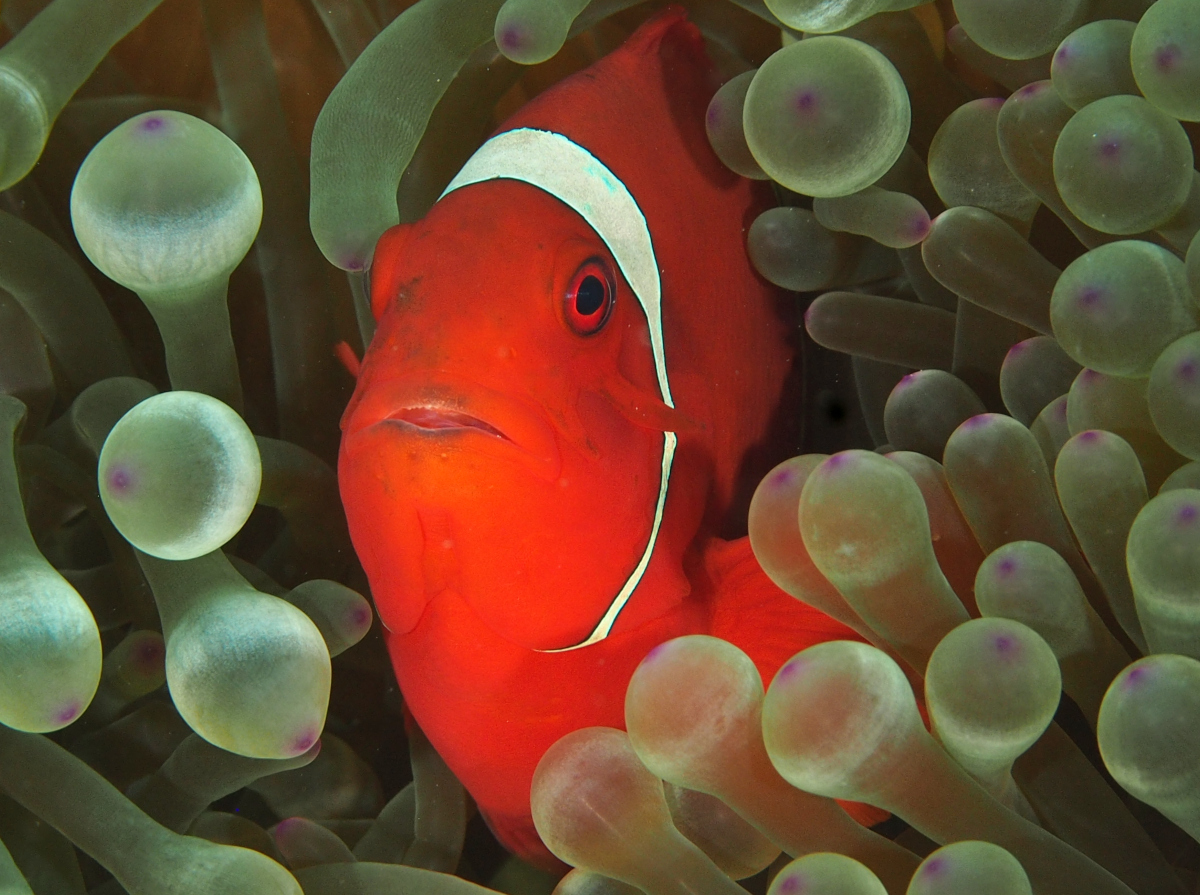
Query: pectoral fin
x=647, y=410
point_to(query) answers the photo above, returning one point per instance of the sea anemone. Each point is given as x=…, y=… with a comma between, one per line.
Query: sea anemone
x=988, y=215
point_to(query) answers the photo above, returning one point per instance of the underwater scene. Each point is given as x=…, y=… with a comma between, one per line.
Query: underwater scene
x=591, y=448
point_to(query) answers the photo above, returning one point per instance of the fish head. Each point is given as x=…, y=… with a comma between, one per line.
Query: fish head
x=506, y=438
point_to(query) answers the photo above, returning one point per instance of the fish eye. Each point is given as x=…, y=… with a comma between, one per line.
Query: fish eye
x=589, y=298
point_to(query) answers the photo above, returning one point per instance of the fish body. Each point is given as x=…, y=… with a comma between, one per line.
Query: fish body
x=575, y=369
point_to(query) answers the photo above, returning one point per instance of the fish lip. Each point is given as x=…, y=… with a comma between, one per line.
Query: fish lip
x=432, y=418
x=489, y=421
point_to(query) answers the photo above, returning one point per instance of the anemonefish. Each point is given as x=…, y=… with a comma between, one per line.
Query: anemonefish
x=576, y=369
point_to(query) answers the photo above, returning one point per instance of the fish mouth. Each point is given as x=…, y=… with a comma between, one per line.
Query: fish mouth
x=472, y=417
x=435, y=418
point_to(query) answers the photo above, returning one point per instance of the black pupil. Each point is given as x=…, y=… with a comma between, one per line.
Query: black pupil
x=589, y=297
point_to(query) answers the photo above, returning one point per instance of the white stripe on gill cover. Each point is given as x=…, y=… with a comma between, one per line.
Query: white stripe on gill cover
x=567, y=171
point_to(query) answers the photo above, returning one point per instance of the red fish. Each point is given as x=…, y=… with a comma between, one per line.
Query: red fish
x=574, y=369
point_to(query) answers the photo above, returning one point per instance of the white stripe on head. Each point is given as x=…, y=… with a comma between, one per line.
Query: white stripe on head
x=574, y=176
x=567, y=171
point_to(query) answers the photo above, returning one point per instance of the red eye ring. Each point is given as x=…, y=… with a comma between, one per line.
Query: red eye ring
x=588, y=301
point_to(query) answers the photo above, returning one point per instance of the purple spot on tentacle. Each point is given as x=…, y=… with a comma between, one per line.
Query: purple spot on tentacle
x=1007, y=566
x=781, y=477
x=152, y=124
x=1187, y=514
x=1166, y=56
x=1031, y=90
x=1186, y=370
x=1110, y=148
x=836, y=462
x=120, y=479
x=304, y=741
x=1005, y=645
x=352, y=261
x=807, y=101
x=793, y=884
x=918, y=226
x=513, y=37
x=1019, y=348
x=713, y=117
x=993, y=102
x=68, y=713
x=977, y=421
x=1063, y=54
x=150, y=653
x=1060, y=409
x=934, y=867
x=1089, y=375
x=1135, y=677
x=657, y=652
x=360, y=616
x=1091, y=436
x=792, y=669
x=1090, y=298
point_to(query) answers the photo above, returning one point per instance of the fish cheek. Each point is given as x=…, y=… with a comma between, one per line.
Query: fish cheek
x=540, y=561
x=434, y=515
x=428, y=517
x=384, y=529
